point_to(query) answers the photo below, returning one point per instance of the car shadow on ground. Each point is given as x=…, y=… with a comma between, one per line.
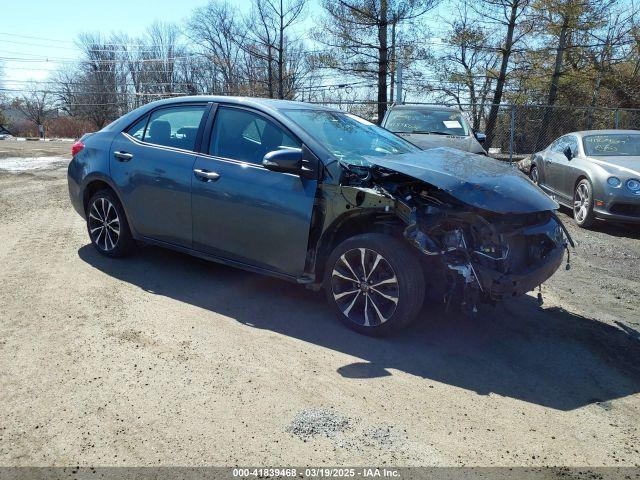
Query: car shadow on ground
x=550, y=357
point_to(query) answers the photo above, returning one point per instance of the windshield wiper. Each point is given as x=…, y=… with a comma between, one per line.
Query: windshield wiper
x=428, y=132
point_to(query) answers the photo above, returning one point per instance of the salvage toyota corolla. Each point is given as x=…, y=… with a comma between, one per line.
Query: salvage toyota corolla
x=319, y=197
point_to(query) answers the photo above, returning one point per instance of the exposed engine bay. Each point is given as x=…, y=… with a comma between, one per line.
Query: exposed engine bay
x=472, y=254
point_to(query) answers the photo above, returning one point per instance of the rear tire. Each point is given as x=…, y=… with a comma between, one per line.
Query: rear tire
x=583, y=204
x=374, y=283
x=108, y=226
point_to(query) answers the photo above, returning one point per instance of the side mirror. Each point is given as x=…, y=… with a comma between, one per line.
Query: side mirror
x=481, y=137
x=568, y=153
x=286, y=160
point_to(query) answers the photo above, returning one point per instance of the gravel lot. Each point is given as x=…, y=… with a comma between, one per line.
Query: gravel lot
x=163, y=359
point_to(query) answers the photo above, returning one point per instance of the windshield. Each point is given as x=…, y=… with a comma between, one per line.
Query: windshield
x=443, y=122
x=348, y=137
x=612, y=144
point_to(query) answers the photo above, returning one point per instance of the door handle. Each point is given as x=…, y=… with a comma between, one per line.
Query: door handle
x=206, y=176
x=123, y=156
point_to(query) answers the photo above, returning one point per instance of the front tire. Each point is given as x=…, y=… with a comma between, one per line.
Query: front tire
x=583, y=204
x=534, y=175
x=107, y=225
x=374, y=283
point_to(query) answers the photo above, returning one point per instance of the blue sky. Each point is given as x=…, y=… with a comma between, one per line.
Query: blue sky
x=47, y=29
x=57, y=23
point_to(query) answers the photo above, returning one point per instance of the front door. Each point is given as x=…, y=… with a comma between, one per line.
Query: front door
x=152, y=166
x=568, y=174
x=554, y=161
x=241, y=210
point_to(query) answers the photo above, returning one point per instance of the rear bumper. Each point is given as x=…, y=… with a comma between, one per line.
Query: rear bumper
x=75, y=192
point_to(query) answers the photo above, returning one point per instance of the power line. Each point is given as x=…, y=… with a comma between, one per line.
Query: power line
x=78, y=93
x=68, y=42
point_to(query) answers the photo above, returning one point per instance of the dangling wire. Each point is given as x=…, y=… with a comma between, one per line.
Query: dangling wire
x=540, y=300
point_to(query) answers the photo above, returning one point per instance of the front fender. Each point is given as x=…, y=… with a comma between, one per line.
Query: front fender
x=581, y=169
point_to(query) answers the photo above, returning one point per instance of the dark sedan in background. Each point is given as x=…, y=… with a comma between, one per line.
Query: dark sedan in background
x=431, y=126
x=595, y=172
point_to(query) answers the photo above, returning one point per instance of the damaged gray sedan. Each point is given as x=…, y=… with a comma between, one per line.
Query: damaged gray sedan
x=319, y=197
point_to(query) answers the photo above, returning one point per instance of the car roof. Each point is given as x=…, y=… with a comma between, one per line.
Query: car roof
x=271, y=103
x=268, y=105
x=409, y=106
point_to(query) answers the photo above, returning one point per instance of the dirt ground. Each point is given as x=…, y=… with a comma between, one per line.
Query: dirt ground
x=164, y=359
x=34, y=148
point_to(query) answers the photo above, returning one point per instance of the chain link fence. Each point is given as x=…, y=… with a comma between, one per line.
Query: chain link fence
x=521, y=129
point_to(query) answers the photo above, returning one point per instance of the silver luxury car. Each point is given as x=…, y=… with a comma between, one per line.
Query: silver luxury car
x=594, y=172
x=429, y=126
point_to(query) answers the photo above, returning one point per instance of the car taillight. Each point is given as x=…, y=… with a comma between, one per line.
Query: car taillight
x=76, y=148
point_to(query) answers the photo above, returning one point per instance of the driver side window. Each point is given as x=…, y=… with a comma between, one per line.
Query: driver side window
x=246, y=136
x=572, y=142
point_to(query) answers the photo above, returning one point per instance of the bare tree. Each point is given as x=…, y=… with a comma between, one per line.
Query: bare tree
x=356, y=34
x=3, y=100
x=35, y=104
x=511, y=15
x=216, y=31
x=607, y=46
x=465, y=69
x=261, y=42
x=160, y=58
x=95, y=92
x=563, y=21
x=269, y=39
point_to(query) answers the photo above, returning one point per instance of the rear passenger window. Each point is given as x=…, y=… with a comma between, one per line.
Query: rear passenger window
x=246, y=136
x=137, y=129
x=175, y=126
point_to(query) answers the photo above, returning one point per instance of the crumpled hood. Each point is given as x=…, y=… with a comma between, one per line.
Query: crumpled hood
x=476, y=180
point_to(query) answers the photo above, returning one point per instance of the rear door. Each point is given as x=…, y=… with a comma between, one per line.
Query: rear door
x=152, y=166
x=241, y=210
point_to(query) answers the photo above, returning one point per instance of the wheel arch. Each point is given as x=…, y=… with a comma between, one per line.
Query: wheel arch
x=92, y=187
x=349, y=225
x=583, y=176
x=536, y=163
x=579, y=178
x=96, y=183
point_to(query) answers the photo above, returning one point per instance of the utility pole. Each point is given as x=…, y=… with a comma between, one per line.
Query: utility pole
x=393, y=60
x=398, y=98
x=281, y=54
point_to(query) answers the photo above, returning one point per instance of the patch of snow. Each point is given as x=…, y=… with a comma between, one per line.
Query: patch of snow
x=22, y=164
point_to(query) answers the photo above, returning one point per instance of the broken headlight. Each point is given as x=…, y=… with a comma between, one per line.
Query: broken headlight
x=453, y=239
x=494, y=252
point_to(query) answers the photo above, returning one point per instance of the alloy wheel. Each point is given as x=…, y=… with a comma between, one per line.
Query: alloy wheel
x=365, y=287
x=104, y=224
x=581, y=203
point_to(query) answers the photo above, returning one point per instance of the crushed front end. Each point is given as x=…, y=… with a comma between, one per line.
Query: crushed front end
x=484, y=255
x=471, y=254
